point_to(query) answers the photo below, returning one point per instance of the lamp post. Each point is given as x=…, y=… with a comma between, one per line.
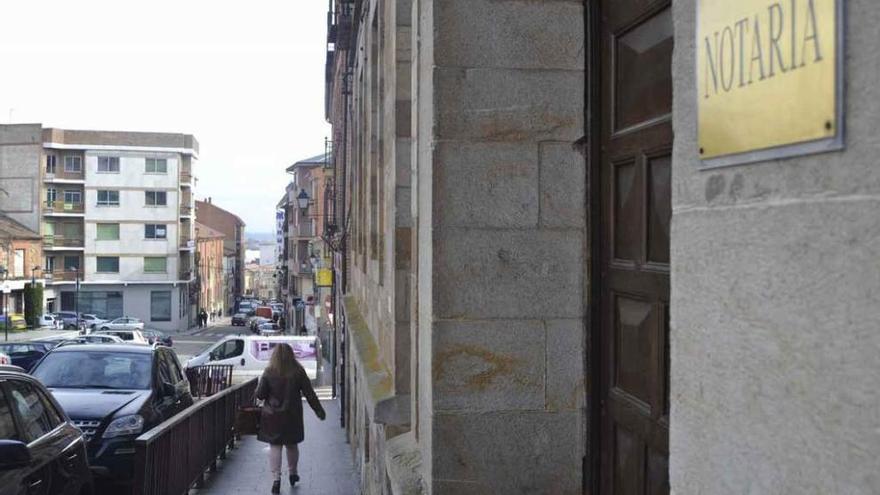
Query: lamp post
x=3, y=273
x=76, y=297
x=33, y=285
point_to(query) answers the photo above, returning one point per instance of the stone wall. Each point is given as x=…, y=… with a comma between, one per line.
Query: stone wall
x=21, y=162
x=776, y=300
x=506, y=240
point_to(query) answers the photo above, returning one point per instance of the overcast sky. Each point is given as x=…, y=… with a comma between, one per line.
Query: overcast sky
x=246, y=78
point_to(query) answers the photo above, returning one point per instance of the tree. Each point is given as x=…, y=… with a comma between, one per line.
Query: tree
x=33, y=303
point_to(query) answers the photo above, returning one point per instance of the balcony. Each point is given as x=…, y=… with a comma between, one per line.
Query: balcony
x=62, y=208
x=61, y=176
x=302, y=231
x=186, y=178
x=185, y=240
x=186, y=210
x=60, y=276
x=61, y=242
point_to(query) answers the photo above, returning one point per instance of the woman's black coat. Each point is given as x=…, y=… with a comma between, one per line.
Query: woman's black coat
x=281, y=419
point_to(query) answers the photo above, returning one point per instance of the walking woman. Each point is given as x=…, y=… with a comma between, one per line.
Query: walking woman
x=281, y=389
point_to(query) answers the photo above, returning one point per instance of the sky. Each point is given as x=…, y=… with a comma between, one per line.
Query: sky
x=246, y=78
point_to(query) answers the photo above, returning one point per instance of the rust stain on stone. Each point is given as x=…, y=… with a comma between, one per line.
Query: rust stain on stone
x=498, y=365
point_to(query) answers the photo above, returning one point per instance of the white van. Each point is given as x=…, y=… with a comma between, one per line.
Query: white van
x=250, y=353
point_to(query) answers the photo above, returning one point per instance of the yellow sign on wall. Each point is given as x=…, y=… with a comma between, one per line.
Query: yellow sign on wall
x=768, y=79
x=324, y=277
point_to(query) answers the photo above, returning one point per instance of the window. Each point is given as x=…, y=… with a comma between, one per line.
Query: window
x=107, y=264
x=71, y=263
x=108, y=198
x=50, y=164
x=50, y=264
x=73, y=164
x=7, y=424
x=157, y=166
x=108, y=231
x=155, y=231
x=104, y=304
x=160, y=305
x=18, y=263
x=37, y=416
x=96, y=369
x=72, y=196
x=229, y=349
x=108, y=164
x=51, y=194
x=156, y=198
x=155, y=264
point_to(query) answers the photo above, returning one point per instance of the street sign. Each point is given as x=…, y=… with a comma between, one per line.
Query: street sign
x=769, y=79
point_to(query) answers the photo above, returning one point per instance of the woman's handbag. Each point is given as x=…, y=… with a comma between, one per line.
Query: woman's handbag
x=247, y=421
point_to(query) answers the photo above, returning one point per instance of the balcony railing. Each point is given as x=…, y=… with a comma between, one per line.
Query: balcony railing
x=186, y=210
x=303, y=230
x=51, y=241
x=60, y=276
x=186, y=177
x=62, y=175
x=62, y=207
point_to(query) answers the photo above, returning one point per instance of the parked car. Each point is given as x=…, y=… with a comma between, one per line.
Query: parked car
x=93, y=338
x=16, y=322
x=5, y=359
x=254, y=323
x=49, y=321
x=250, y=353
x=157, y=337
x=113, y=393
x=23, y=354
x=123, y=323
x=129, y=336
x=41, y=451
x=91, y=321
x=239, y=319
x=68, y=318
x=264, y=311
x=269, y=328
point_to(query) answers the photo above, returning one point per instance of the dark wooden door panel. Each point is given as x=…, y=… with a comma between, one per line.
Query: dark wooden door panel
x=635, y=176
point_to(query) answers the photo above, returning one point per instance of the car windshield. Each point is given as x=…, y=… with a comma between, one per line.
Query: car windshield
x=95, y=369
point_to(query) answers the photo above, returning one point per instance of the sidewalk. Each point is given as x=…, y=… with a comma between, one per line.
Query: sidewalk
x=36, y=334
x=325, y=465
x=223, y=321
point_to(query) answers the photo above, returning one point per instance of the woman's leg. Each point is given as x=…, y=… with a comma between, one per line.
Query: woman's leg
x=275, y=461
x=292, y=458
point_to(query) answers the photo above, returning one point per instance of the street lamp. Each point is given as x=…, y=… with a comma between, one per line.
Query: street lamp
x=302, y=199
x=76, y=297
x=3, y=273
x=33, y=285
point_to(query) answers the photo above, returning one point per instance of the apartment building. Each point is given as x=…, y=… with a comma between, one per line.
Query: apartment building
x=117, y=219
x=232, y=228
x=209, y=260
x=306, y=252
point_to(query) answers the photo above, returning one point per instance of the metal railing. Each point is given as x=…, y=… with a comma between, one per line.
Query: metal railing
x=207, y=380
x=62, y=207
x=186, y=177
x=186, y=210
x=61, y=276
x=173, y=457
x=62, y=241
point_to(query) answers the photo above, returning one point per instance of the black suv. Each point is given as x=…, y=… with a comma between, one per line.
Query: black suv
x=113, y=393
x=41, y=452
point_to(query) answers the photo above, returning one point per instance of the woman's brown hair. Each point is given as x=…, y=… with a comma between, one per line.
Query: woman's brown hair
x=283, y=361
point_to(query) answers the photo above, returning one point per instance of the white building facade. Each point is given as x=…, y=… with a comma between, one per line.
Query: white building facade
x=133, y=247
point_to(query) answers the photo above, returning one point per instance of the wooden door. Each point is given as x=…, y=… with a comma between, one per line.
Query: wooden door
x=635, y=177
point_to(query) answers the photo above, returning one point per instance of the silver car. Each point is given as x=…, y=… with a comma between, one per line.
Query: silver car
x=123, y=323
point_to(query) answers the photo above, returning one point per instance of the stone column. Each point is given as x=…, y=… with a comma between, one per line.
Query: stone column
x=501, y=216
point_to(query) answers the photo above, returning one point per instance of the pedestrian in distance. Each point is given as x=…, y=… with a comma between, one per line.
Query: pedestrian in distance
x=281, y=388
